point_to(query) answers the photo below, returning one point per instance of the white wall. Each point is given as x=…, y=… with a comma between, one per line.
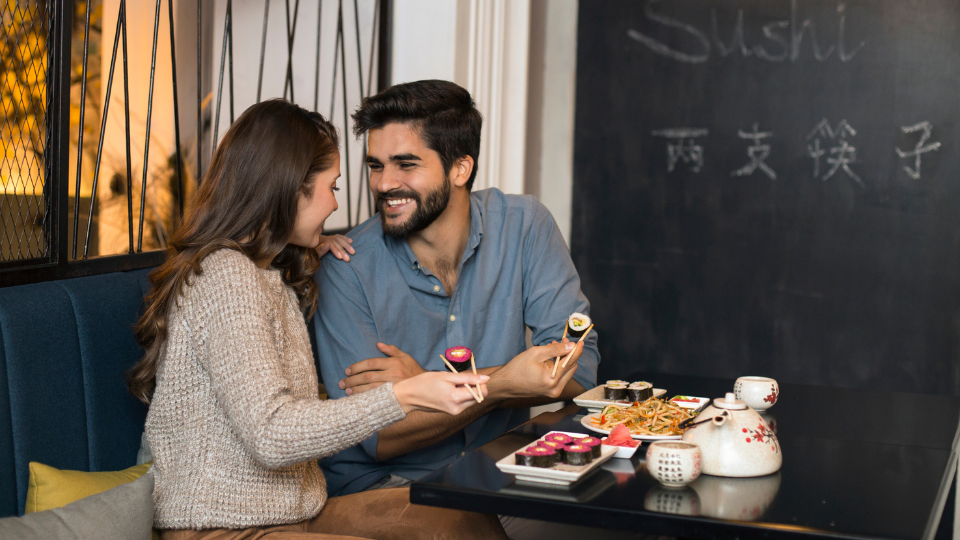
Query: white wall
x=424, y=40
x=518, y=59
x=553, y=75
x=247, y=35
x=482, y=45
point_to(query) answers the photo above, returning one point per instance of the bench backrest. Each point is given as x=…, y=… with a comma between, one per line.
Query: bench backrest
x=63, y=401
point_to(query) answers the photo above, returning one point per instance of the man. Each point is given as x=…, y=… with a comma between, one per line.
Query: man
x=442, y=267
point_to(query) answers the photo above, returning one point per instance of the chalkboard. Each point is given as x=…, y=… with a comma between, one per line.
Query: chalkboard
x=772, y=187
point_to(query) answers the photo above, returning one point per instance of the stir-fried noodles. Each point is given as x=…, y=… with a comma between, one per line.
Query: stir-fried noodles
x=651, y=417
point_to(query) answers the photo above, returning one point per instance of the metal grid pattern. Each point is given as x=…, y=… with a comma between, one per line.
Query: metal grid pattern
x=24, y=233
x=43, y=235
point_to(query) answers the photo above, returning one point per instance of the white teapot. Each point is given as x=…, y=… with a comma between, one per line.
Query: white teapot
x=734, y=440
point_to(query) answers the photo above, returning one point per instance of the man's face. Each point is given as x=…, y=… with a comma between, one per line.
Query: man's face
x=407, y=180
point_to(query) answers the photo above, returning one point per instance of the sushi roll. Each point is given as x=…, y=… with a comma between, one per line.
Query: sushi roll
x=615, y=392
x=640, y=391
x=557, y=447
x=578, y=454
x=592, y=442
x=459, y=358
x=536, y=456
x=549, y=456
x=558, y=437
x=577, y=324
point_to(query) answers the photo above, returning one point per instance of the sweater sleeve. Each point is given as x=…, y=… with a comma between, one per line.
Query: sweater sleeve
x=240, y=356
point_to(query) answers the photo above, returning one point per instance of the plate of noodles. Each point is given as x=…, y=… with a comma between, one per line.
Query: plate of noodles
x=651, y=420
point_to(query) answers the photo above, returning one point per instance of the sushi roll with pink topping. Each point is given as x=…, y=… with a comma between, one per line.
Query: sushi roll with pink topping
x=459, y=358
x=543, y=457
x=578, y=454
x=592, y=442
x=558, y=437
x=555, y=446
x=535, y=457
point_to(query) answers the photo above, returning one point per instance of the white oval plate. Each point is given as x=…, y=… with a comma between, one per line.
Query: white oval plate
x=585, y=421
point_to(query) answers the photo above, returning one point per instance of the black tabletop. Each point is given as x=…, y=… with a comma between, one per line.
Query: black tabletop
x=856, y=464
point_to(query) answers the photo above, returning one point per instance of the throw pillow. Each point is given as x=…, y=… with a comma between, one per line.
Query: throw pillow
x=122, y=513
x=52, y=488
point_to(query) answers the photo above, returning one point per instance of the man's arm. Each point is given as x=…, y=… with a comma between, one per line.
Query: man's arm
x=551, y=288
x=525, y=377
x=397, y=365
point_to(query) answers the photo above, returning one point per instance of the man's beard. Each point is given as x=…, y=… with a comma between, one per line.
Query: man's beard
x=425, y=213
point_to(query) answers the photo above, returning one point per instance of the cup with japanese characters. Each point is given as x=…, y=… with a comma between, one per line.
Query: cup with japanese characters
x=673, y=463
x=759, y=393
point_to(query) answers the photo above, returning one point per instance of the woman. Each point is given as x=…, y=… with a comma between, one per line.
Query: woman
x=235, y=422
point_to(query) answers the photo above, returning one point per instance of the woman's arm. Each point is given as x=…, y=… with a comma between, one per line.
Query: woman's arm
x=252, y=383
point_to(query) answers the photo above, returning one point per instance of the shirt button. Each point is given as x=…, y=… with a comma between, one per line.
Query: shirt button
x=436, y=288
x=462, y=454
x=453, y=318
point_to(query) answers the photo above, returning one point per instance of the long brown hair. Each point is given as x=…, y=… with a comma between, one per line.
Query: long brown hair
x=247, y=202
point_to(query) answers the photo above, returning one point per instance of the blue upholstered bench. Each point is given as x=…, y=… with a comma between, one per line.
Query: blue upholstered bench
x=63, y=399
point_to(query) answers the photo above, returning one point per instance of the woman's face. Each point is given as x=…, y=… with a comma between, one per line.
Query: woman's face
x=312, y=211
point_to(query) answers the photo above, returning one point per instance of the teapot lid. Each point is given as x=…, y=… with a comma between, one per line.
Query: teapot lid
x=730, y=401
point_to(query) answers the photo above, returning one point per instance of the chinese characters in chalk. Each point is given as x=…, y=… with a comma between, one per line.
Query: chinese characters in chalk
x=841, y=155
x=921, y=148
x=758, y=153
x=679, y=149
x=830, y=147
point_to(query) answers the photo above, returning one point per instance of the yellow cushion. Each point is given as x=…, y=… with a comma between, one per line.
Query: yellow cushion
x=52, y=488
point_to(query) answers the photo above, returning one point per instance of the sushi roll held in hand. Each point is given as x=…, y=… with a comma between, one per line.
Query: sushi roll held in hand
x=577, y=324
x=459, y=358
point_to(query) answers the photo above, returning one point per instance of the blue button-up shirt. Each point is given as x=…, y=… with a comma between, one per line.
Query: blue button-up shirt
x=516, y=271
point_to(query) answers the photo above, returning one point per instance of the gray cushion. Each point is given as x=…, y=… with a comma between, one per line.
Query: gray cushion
x=122, y=513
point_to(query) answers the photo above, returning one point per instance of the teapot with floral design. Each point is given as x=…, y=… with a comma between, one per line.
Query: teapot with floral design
x=734, y=440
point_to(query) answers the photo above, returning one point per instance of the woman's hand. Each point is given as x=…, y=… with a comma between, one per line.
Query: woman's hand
x=337, y=244
x=438, y=391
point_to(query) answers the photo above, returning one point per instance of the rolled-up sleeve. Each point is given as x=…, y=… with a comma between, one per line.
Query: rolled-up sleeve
x=552, y=292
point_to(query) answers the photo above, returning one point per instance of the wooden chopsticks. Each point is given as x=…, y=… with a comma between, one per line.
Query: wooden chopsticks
x=556, y=363
x=454, y=370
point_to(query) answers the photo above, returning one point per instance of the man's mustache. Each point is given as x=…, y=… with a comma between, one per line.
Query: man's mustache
x=396, y=194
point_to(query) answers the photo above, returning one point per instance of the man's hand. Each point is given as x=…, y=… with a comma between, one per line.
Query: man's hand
x=528, y=374
x=373, y=372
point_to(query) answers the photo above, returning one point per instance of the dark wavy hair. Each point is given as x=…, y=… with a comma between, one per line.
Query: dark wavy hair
x=246, y=202
x=442, y=113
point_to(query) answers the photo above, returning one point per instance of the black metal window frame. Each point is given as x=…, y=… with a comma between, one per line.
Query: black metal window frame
x=59, y=264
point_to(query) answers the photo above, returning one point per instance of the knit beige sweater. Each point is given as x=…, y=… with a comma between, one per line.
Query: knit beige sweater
x=236, y=423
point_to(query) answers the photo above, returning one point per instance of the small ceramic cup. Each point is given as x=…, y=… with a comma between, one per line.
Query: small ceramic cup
x=759, y=393
x=673, y=463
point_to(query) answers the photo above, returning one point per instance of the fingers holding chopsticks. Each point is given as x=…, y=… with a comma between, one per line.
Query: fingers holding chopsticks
x=478, y=396
x=577, y=350
x=438, y=391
